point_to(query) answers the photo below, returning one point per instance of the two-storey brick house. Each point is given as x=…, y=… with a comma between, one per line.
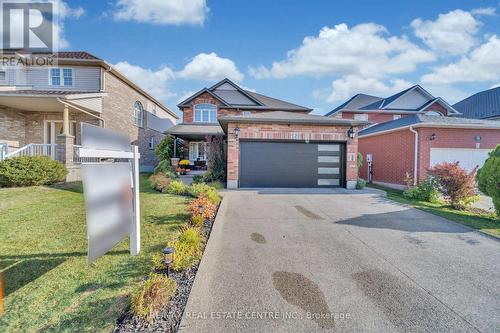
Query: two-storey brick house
x=409, y=102
x=41, y=109
x=269, y=142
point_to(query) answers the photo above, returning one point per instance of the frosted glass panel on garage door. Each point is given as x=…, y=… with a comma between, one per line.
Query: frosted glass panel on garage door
x=468, y=158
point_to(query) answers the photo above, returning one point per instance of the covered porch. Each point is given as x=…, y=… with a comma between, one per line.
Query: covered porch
x=36, y=124
x=194, y=141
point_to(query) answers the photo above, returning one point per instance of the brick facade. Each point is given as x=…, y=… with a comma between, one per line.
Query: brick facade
x=289, y=132
x=393, y=153
x=118, y=114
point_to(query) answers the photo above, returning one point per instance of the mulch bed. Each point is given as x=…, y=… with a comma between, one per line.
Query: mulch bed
x=169, y=318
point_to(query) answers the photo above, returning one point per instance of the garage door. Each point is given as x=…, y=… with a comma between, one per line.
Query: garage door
x=468, y=158
x=291, y=164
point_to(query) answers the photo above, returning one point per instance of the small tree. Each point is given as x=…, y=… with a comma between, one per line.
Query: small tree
x=216, y=159
x=455, y=184
x=165, y=149
x=488, y=178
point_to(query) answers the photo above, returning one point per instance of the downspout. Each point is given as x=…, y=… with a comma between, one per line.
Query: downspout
x=81, y=110
x=415, y=161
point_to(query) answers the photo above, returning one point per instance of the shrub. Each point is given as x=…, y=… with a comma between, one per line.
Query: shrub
x=213, y=197
x=202, y=206
x=151, y=295
x=216, y=159
x=31, y=171
x=165, y=149
x=359, y=160
x=216, y=185
x=360, y=184
x=185, y=256
x=455, y=184
x=197, y=220
x=165, y=168
x=191, y=236
x=197, y=179
x=177, y=187
x=427, y=190
x=159, y=182
x=196, y=190
x=157, y=262
x=488, y=178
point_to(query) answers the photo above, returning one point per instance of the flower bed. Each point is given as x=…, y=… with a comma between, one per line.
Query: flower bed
x=169, y=317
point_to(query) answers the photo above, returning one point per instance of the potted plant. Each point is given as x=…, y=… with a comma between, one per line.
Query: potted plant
x=184, y=165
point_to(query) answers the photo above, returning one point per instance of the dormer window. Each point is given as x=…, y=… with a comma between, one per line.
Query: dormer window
x=433, y=113
x=205, y=113
x=61, y=77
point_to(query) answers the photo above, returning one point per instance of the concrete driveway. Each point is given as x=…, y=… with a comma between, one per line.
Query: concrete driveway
x=345, y=261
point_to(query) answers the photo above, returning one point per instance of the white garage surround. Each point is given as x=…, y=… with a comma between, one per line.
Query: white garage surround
x=467, y=157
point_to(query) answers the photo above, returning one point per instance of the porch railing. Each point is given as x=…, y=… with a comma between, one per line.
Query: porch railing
x=32, y=149
x=78, y=160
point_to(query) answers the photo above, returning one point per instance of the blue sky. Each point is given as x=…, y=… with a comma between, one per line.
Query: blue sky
x=313, y=53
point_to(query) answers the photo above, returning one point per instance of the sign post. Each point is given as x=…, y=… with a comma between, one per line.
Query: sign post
x=110, y=179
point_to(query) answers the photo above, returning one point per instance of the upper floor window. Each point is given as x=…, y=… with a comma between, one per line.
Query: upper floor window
x=396, y=116
x=138, y=114
x=205, y=113
x=433, y=113
x=61, y=77
x=361, y=116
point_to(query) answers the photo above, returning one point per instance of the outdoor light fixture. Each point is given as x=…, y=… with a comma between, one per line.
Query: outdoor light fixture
x=237, y=132
x=168, y=258
x=477, y=138
x=350, y=133
x=432, y=137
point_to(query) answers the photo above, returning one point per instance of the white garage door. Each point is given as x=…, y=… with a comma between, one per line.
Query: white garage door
x=468, y=158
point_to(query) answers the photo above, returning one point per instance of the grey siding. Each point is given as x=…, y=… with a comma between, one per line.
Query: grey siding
x=84, y=79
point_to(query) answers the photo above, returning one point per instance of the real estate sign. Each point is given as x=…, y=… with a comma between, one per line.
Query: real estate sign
x=111, y=190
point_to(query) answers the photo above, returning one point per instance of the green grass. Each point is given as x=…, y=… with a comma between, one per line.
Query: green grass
x=48, y=284
x=483, y=222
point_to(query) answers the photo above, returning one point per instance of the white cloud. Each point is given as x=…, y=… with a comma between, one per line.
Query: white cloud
x=482, y=64
x=154, y=82
x=185, y=95
x=451, y=33
x=486, y=11
x=162, y=11
x=364, y=49
x=350, y=85
x=210, y=67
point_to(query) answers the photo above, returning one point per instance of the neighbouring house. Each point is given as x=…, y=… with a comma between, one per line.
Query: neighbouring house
x=482, y=105
x=41, y=109
x=412, y=145
x=269, y=142
x=411, y=101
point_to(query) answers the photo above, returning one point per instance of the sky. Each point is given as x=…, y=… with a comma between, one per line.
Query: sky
x=312, y=53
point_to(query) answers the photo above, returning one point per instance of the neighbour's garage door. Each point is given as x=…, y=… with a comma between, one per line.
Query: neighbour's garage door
x=468, y=158
x=291, y=164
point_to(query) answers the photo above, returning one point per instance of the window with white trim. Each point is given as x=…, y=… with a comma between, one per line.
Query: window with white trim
x=138, y=114
x=361, y=116
x=3, y=76
x=205, y=113
x=198, y=151
x=396, y=116
x=61, y=77
x=151, y=143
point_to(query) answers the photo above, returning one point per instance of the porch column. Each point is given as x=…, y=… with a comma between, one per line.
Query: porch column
x=65, y=141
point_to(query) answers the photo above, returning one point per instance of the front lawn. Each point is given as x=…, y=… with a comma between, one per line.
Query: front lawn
x=43, y=247
x=483, y=222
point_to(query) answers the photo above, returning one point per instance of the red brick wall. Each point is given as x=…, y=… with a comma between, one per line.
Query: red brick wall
x=393, y=155
x=451, y=138
x=437, y=107
x=289, y=132
x=207, y=98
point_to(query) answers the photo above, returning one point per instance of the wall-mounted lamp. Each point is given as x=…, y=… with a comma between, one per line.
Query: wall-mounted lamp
x=477, y=138
x=236, y=132
x=432, y=137
x=350, y=133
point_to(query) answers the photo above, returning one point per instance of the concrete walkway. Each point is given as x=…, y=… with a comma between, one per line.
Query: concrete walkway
x=308, y=260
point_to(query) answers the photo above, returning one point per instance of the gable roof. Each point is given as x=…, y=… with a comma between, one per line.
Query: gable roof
x=355, y=102
x=482, y=105
x=384, y=104
x=422, y=120
x=233, y=96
